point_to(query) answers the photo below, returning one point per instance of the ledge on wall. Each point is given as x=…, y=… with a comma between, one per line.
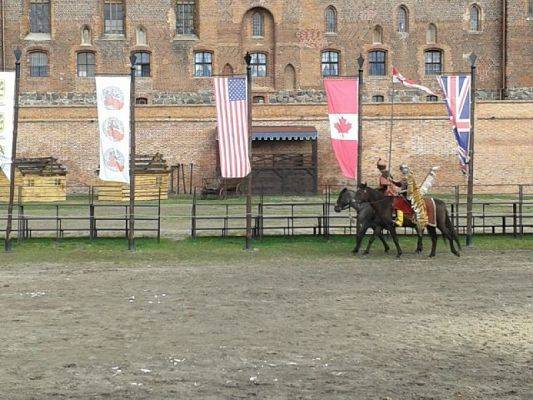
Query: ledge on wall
x=185, y=38
x=38, y=37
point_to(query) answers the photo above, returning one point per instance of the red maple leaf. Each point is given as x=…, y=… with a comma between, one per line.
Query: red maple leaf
x=343, y=126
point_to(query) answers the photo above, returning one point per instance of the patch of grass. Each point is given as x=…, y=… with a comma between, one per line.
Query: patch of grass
x=222, y=251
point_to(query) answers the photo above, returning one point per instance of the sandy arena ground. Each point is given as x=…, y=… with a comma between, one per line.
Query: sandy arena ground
x=353, y=328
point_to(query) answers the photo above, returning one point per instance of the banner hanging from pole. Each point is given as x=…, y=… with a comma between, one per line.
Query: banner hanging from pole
x=457, y=96
x=232, y=125
x=342, y=95
x=113, y=101
x=7, y=108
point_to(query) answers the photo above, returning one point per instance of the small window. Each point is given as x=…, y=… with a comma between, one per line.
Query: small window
x=475, y=23
x=259, y=64
x=38, y=64
x=431, y=34
x=141, y=100
x=185, y=15
x=141, y=36
x=40, y=16
x=86, y=64
x=377, y=63
x=433, y=62
x=330, y=63
x=258, y=24
x=530, y=8
x=142, y=64
x=258, y=99
x=331, y=20
x=114, y=17
x=378, y=98
x=403, y=19
x=57, y=182
x=227, y=70
x=85, y=36
x=203, y=63
x=377, y=36
x=432, y=98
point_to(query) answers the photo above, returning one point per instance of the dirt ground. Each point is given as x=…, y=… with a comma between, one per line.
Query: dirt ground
x=352, y=328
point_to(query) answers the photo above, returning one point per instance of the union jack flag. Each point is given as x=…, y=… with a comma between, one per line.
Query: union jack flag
x=457, y=95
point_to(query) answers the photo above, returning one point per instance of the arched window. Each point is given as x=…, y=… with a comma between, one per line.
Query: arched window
x=38, y=64
x=140, y=34
x=475, y=18
x=40, y=16
x=86, y=62
x=142, y=64
x=378, y=98
x=290, y=77
x=141, y=100
x=377, y=61
x=431, y=34
x=377, y=35
x=433, y=62
x=331, y=20
x=432, y=98
x=203, y=63
x=185, y=17
x=259, y=64
x=403, y=19
x=330, y=63
x=258, y=99
x=114, y=17
x=86, y=36
x=258, y=24
x=227, y=70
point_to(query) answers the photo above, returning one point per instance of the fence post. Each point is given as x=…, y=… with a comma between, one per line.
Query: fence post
x=92, y=229
x=520, y=203
x=193, y=215
x=457, y=199
x=159, y=216
x=514, y=220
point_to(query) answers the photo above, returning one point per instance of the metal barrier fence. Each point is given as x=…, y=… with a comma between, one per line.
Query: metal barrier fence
x=509, y=215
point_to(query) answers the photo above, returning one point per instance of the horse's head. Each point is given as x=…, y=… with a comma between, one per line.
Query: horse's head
x=345, y=200
x=363, y=193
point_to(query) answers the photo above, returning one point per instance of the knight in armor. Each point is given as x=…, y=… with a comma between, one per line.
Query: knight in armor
x=392, y=187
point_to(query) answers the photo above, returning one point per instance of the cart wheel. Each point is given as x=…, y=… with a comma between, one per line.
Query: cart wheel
x=222, y=194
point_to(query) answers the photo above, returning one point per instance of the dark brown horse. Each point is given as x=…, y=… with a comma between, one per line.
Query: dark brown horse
x=382, y=218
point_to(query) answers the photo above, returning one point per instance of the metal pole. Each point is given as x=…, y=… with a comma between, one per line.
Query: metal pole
x=7, y=244
x=360, y=61
x=131, y=232
x=391, y=124
x=470, y=193
x=248, y=244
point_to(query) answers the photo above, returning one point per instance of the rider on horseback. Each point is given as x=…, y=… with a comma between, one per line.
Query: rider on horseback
x=394, y=188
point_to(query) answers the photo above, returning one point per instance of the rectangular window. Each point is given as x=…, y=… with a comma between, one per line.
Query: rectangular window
x=433, y=62
x=38, y=64
x=259, y=64
x=432, y=98
x=185, y=17
x=40, y=16
x=142, y=64
x=378, y=98
x=376, y=62
x=203, y=63
x=114, y=17
x=330, y=63
x=86, y=64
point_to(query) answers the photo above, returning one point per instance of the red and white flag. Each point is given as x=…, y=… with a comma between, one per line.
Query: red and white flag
x=399, y=78
x=343, y=111
x=232, y=125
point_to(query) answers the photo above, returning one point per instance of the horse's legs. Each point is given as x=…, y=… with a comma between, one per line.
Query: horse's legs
x=359, y=238
x=419, y=245
x=450, y=238
x=433, y=234
x=392, y=231
x=382, y=238
x=370, y=241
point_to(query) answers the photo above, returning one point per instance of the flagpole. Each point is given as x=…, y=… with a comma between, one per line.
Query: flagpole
x=248, y=243
x=360, y=61
x=131, y=232
x=391, y=124
x=7, y=243
x=470, y=192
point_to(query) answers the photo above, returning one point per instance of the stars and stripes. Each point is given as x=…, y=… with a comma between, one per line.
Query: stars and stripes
x=232, y=126
x=399, y=78
x=457, y=93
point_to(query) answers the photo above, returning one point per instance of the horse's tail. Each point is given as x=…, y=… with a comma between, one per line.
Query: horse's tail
x=451, y=229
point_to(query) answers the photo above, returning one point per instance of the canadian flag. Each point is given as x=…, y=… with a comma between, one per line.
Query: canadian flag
x=399, y=78
x=342, y=95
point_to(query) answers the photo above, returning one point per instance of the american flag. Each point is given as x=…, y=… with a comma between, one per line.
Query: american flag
x=232, y=125
x=456, y=89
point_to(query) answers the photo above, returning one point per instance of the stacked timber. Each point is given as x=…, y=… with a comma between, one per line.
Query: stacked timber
x=151, y=180
x=38, y=179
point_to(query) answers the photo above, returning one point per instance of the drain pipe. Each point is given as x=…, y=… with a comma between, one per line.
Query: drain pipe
x=503, y=91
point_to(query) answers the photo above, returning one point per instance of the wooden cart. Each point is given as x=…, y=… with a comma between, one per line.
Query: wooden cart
x=221, y=187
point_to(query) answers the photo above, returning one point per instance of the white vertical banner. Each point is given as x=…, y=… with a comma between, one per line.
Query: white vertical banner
x=113, y=100
x=7, y=108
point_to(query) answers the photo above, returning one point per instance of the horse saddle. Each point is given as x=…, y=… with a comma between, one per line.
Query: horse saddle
x=401, y=203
